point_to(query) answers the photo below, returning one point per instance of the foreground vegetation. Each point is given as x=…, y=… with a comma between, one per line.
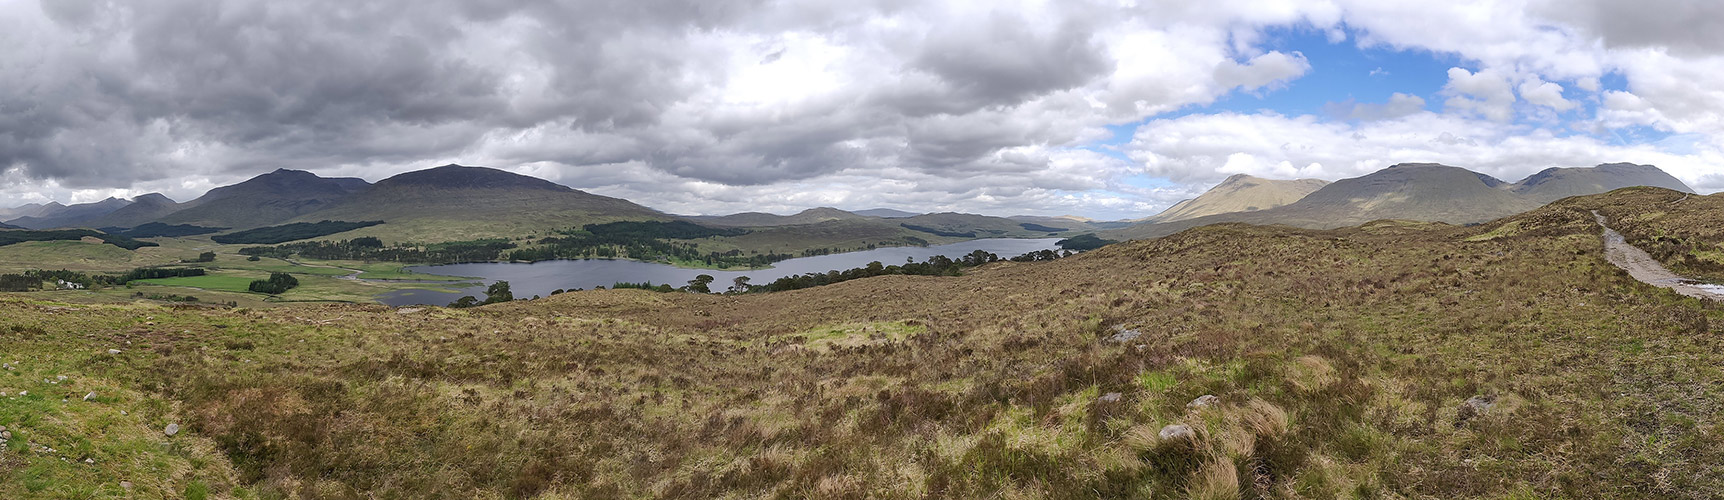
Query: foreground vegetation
x=1392, y=360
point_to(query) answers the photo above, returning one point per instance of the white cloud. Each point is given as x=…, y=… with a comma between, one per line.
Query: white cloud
x=1547, y=94
x=1202, y=149
x=1485, y=93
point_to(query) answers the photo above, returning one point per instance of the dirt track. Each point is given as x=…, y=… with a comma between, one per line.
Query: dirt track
x=1642, y=266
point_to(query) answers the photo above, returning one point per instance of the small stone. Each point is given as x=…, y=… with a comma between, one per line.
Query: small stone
x=89, y=460
x=1122, y=334
x=122, y=412
x=1175, y=432
x=1112, y=397
x=60, y=378
x=5, y=434
x=1473, y=407
x=126, y=484
x=1204, y=401
x=172, y=429
x=113, y=351
x=89, y=396
x=23, y=393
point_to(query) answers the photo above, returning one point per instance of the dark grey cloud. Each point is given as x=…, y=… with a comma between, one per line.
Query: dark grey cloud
x=1689, y=27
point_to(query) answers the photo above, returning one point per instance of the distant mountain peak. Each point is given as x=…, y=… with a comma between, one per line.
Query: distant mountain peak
x=1240, y=193
x=454, y=176
x=1556, y=183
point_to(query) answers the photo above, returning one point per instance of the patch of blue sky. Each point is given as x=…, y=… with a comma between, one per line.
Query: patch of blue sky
x=1342, y=71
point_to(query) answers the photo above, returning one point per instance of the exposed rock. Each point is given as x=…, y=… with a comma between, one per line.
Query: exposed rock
x=1122, y=334
x=172, y=429
x=113, y=351
x=1112, y=397
x=1176, y=432
x=89, y=396
x=1473, y=407
x=1204, y=401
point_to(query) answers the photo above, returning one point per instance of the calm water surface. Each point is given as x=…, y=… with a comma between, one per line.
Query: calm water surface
x=540, y=278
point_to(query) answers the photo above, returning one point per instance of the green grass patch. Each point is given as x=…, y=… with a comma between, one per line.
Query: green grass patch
x=216, y=282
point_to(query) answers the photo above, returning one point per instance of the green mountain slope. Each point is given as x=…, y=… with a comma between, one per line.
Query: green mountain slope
x=453, y=202
x=264, y=200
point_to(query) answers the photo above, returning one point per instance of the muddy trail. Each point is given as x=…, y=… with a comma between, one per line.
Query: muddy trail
x=1643, y=267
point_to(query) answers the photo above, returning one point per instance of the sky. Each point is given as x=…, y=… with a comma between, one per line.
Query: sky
x=1105, y=109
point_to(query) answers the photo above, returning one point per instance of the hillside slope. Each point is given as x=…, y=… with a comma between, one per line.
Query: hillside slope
x=454, y=202
x=1557, y=183
x=1389, y=360
x=761, y=219
x=1240, y=193
x=264, y=200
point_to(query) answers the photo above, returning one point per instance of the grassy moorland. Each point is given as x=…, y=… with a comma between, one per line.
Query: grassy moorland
x=1678, y=229
x=1343, y=361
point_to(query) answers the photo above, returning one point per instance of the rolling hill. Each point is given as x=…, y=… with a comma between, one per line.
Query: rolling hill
x=264, y=200
x=1240, y=193
x=54, y=215
x=885, y=213
x=453, y=202
x=761, y=219
x=1557, y=183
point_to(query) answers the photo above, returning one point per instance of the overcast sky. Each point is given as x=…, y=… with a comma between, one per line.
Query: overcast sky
x=1108, y=109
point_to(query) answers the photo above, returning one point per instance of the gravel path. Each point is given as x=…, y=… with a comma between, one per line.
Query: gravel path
x=1642, y=267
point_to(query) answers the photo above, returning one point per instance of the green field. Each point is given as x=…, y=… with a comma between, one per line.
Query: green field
x=220, y=283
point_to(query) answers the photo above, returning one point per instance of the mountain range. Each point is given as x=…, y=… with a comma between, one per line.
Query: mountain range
x=454, y=202
x=1415, y=191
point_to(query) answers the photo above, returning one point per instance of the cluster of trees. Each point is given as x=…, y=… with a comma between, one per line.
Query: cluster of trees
x=372, y=249
x=18, y=283
x=673, y=230
x=1084, y=242
x=1040, y=228
x=161, y=230
x=497, y=292
x=15, y=237
x=649, y=240
x=203, y=257
x=646, y=285
x=939, y=232
x=938, y=265
x=290, y=232
x=153, y=273
x=277, y=284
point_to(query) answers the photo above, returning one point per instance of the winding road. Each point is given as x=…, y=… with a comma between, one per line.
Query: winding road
x=1644, y=268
